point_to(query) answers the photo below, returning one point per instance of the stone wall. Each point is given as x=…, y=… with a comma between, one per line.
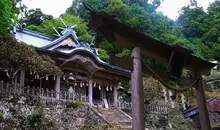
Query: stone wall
x=27, y=112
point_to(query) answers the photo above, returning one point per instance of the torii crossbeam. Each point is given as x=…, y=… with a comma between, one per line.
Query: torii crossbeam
x=125, y=37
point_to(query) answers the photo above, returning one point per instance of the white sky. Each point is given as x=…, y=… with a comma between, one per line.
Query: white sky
x=57, y=7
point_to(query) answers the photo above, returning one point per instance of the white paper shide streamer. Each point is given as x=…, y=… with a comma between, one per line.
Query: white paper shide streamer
x=165, y=94
x=99, y=87
x=170, y=98
x=183, y=101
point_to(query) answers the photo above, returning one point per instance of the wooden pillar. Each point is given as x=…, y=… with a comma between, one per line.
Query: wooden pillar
x=202, y=106
x=90, y=93
x=137, y=91
x=57, y=87
x=22, y=77
x=115, y=96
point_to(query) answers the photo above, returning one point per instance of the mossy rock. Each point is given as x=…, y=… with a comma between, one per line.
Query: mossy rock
x=74, y=104
x=96, y=127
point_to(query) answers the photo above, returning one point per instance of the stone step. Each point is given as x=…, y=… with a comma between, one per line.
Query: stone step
x=116, y=118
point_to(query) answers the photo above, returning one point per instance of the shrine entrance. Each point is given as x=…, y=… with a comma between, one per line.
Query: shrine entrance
x=177, y=59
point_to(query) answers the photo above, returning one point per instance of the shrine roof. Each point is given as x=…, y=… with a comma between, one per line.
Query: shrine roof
x=63, y=47
x=84, y=52
x=32, y=38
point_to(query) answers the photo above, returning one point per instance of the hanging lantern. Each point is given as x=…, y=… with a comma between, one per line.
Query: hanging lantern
x=54, y=77
x=87, y=84
x=64, y=77
x=81, y=85
x=99, y=87
x=75, y=84
x=46, y=77
x=107, y=88
x=31, y=72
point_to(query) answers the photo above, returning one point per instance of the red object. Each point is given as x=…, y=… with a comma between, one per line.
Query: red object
x=196, y=106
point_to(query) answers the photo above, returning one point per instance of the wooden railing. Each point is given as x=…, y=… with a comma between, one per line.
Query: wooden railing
x=41, y=92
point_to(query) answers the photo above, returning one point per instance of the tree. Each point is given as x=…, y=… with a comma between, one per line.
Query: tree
x=36, y=17
x=16, y=55
x=47, y=26
x=75, y=8
x=117, y=9
x=6, y=13
x=192, y=20
x=212, y=24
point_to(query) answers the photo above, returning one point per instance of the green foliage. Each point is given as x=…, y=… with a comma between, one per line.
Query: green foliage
x=15, y=55
x=37, y=121
x=103, y=55
x=74, y=104
x=34, y=28
x=1, y=117
x=36, y=17
x=192, y=20
x=117, y=9
x=108, y=47
x=125, y=52
x=151, y=89
x=47, y=26
x=5, y=15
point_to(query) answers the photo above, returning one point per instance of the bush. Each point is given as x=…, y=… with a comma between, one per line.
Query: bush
x=74, y=104
x=1, y=117
x=37, y=121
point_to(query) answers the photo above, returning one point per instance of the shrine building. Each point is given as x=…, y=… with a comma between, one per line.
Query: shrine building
x=85, y=74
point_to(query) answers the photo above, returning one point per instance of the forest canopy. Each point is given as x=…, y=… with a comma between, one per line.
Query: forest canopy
x=195, y=29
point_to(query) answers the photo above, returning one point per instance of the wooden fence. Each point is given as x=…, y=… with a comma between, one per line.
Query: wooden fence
x=41, y=92
x=66, y=95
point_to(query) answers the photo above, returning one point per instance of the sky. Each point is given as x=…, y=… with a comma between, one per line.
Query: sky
x=169, y=8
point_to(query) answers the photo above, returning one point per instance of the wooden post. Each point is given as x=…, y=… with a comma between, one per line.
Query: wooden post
x=57, y=87
x=202, y=106
x=22, y=77
x=90, y=93
x=137, y=91
x=115, y=96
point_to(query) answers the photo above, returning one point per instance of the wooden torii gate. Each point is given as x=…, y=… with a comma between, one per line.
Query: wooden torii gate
x=176, y=57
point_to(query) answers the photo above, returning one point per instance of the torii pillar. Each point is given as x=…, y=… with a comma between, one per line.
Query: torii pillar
x=202, y=106
x=137, y=91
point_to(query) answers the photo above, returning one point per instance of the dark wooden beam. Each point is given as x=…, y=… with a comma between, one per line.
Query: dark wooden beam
x=147, y=70
x=76, y=70
x=106, y=75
